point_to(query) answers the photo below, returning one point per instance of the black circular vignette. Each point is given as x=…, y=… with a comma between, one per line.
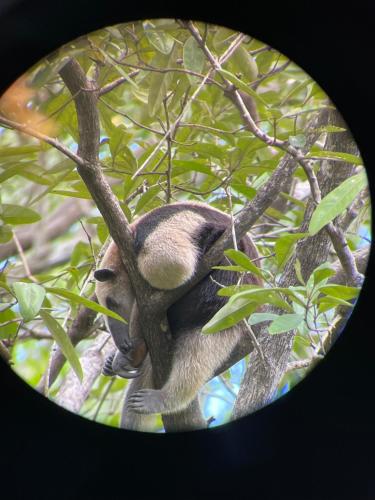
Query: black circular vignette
x=316, y=442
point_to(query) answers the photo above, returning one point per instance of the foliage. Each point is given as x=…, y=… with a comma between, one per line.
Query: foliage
x=147, y=73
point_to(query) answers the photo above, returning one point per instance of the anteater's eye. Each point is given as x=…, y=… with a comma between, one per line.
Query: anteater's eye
x=111, y=303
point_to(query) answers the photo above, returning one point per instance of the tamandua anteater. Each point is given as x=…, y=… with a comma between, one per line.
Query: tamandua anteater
x=169, y=242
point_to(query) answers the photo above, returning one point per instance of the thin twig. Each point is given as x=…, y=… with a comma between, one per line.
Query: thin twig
x=43, y=137
x=229, y=197
x=227, y=385
x=116, y=83
x=255, y=342
x=103, y=398
x=169, y=151
x=125, y=115
x=23, y=258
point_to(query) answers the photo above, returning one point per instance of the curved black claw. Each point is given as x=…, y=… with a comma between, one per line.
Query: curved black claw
x=125, y=347
x=147, y=401
x=107, y=369
x=131, y=373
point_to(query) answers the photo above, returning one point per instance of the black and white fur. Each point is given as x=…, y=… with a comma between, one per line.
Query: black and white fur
x=169, y=242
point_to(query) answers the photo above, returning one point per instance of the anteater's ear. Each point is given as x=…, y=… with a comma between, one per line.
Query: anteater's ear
x=208, y=234
x=104, y=274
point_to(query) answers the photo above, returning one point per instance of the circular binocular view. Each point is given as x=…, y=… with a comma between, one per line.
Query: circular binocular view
x=184, y=225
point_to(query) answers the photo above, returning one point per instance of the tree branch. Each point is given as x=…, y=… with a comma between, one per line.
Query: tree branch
x=43, y=137
x=73, y=393
x=86, y=96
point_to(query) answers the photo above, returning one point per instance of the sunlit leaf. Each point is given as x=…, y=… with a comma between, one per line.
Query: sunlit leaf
x=322, y=272
x=159, y=82
x=245, y=63
x=336, y=202
x=63, y=341
x=298, y=141
x=340, y=291
x=242, y=305
x=335, y=155
x=284, y=246
x=193, y=57
x=30, y=298
x=160, y=40
x=77, y=299
x=261, y=317
x=327, y=303
x=229, y=315
x=244, y=261
x=285, y=323
x=5, y=234
x=15, y=214
x=18, y=151
x=146, y=198
x=10, y=329
x=242, y=86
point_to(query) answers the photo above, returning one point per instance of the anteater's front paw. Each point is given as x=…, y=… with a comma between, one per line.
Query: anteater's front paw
x=147, y=401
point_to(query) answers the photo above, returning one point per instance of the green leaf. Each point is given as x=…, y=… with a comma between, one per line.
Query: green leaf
x=9, y=330
x=84, y=195
x=244, y=261
x=242, y=86
x=160, y=40
x=322, y=272
x=301, y=341
x=5, y=234
x=30, y=297
x=146, y=198
x=77, y=299
x=261, y=317
x=119, y=138
x=297, y=88
x=284, y=247
x=229, y=315
x=159, y=82
x=221, y=38
x=245, y=63
x=297, y=202
x=336, y=202
x=298, y=141
x=242, y=304
x=194, y=58
x=265, y=60
x=335, y=155
x=238, y=269
x=340, y=291
x=298, y=271
x=285, y=323
x=207, y=149
x=327, y=303
x=63, y=341
x=15, y=214
x=18, y=151
x=228, y=291
x=186, y=166
x=248, y=191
